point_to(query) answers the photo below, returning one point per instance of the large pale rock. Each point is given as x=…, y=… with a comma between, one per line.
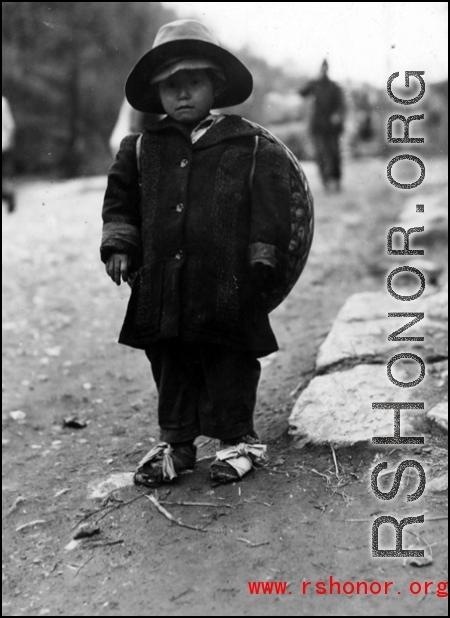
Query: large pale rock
x=434, y=218
x=362, y=328
x=439, y=415
x=337, y=408
x=439, y=484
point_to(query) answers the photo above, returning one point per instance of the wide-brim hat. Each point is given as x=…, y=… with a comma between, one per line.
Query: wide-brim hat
x=186, y=38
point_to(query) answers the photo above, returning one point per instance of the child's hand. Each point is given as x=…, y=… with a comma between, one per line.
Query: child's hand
x=118, y=266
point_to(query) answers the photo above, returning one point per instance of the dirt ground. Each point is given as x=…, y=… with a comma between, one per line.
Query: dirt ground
x=299, y=519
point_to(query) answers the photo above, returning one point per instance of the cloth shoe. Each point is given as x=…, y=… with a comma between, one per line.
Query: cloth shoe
x=164, y=462
x=236, y=458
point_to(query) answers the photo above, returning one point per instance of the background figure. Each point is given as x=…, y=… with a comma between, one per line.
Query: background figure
x=326, y=125
x=129, y=121
x=8, y=132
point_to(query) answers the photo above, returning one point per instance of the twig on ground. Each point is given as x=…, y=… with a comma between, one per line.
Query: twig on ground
x=335, y=460
x=108, y=544
x=31, y=524
x=83, y=565
x=253, y=545
x=421, y=540
x=323, y=475
x=281, y=472
x=170, y=517
x=180, y=596
x=299, y=386
x=289, y=451
x=343, y=495
x=339, y=493
x=17, y=502
x=138, y=452
x=442, y=450
x=256, y=502
x=88, y=516
x=206, y=504
x=393, y=451
x=341, y=484
x=106, y=510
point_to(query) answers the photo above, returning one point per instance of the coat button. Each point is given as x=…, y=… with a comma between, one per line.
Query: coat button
x=179, y=207
x=184, y=163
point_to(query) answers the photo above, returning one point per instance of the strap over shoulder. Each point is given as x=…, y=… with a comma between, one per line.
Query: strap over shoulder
x=138, y=152
x=252, y=170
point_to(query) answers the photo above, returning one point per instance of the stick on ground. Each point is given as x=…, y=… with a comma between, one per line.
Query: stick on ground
x=335, y=460
x=106, y=510
x=83, y=565
x=108, y=544
x=31, y=524
x=253, y=545
x=171, y=518
x=421, y=540
x=206, y=504
x=323, y=475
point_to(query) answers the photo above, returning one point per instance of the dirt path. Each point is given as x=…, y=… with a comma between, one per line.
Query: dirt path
x=289, y=522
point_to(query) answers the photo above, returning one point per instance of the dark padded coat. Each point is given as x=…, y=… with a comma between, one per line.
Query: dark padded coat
x=195, y=230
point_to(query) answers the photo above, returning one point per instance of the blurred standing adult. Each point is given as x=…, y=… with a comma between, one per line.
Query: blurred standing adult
x=8, y=134
x=129, y=121
x=326, y=125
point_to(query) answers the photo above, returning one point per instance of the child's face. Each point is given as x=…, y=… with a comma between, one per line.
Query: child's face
x=187, y=96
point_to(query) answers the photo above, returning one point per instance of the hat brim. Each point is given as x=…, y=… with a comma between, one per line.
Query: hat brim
x=145, y=98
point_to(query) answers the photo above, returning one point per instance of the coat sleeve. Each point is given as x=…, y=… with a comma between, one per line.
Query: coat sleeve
x=121, y=215
x=270, y=228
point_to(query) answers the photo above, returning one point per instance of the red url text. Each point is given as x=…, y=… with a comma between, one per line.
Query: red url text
x=333, y=586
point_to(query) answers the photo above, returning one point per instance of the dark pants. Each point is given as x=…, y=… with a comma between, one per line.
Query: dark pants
x=204, y=389
x=328, y=156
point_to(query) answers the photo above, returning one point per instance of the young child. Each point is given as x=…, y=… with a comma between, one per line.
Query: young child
x=197, y=214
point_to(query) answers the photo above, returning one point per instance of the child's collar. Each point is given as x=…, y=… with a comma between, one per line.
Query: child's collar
x=229, y=127
x=205, y=125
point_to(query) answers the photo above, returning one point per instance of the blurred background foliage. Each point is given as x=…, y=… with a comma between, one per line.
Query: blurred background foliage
x=64, y=65
x=63, y=70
